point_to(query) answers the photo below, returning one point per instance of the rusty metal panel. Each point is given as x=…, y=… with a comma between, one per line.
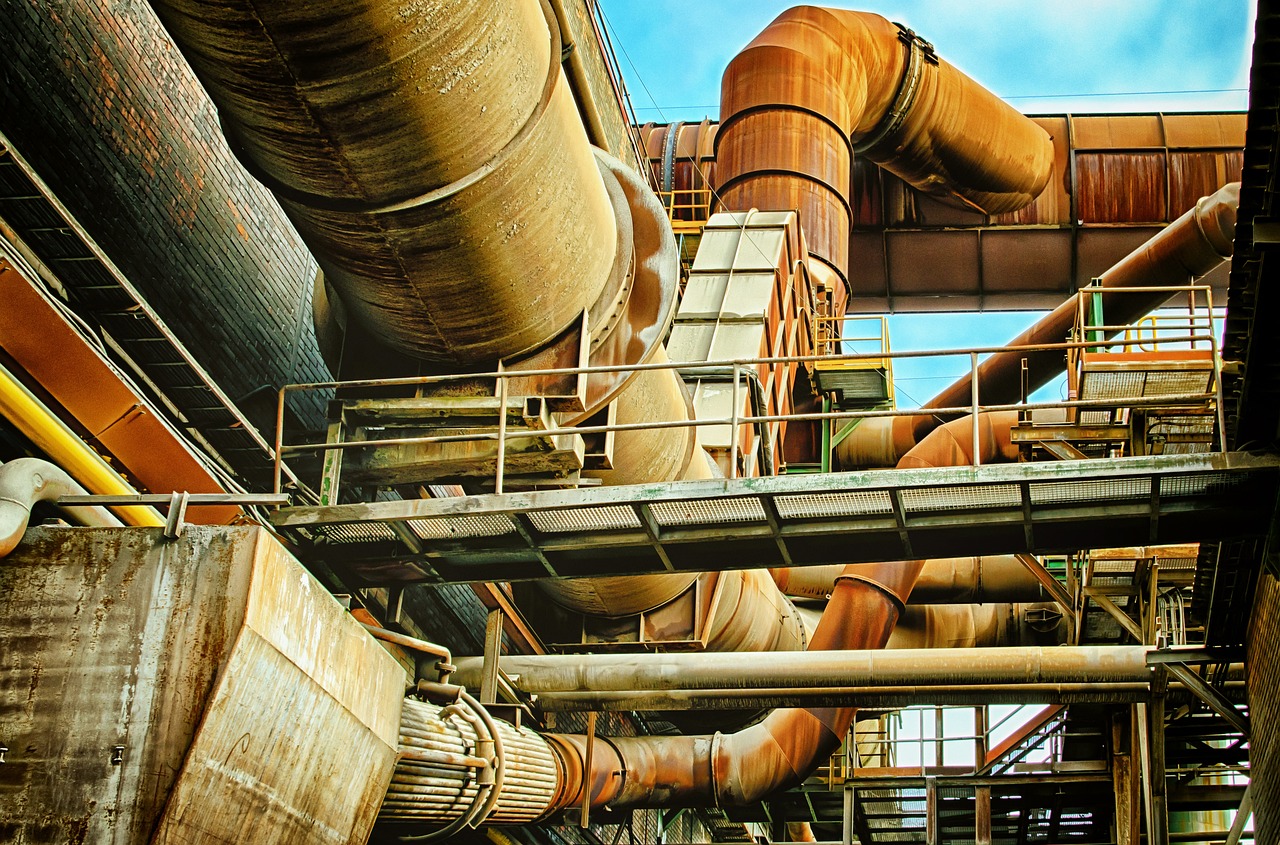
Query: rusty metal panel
x=1196, y=174
x=41, y=340
x=1125, y=187
x=1224, y=130
x=207, y=682
x=1099, y=249
x=1031, y=261
x=866, y=194
x=1116, y=131
x=867, y=276
x=933, y=263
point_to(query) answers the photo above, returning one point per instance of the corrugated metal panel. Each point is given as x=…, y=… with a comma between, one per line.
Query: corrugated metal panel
x=1100, y=198
x=934, y=263
x=1196, y=174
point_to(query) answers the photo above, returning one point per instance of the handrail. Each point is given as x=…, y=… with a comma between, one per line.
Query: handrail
x=737, y=419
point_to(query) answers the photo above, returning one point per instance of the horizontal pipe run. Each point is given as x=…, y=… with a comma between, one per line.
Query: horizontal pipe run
x=549, y=674
x=852, y=696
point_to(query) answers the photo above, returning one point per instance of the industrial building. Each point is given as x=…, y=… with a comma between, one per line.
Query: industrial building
x=401, y=442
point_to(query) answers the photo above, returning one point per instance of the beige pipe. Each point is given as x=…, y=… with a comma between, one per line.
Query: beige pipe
x=26, y=481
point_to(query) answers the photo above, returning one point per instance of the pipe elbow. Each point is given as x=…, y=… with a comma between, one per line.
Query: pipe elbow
x=1215, y=217
x=24, y=482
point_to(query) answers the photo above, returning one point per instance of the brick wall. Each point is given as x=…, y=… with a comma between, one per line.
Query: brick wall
x=104, y=107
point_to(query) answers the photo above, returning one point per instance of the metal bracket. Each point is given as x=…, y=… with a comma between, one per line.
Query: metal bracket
x=177, y=514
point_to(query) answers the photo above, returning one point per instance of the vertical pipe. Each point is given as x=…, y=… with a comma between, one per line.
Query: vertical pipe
x=973, y=378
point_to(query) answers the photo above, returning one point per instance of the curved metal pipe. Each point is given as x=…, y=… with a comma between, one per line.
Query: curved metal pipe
x=782, y=749
x=819, y=85
x=25, y=481
x=948, y=580
x=429, y=164
x=1187, y=248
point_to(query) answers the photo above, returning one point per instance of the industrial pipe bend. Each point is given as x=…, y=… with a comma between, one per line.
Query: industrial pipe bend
x=818, y=85
x=25, y=481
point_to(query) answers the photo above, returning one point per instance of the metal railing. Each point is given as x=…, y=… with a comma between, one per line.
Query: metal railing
x=737, y=419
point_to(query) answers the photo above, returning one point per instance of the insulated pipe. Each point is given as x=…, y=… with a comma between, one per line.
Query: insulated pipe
x=1187, y=248
x=49, y=434
x=948, y=580
x=25, y=481
x=951, y=626
x=437, y=168
x=819, y=85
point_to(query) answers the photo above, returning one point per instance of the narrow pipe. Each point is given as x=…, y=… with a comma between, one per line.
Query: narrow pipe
x=818, y=86
x=26, y=481
x=1187, y=248
x=49, y=434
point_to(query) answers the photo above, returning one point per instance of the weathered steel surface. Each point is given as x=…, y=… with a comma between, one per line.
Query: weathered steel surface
x=227, y=674
x=428, y=163
x=1191, y=246
x=819, y=83
x=108, y=639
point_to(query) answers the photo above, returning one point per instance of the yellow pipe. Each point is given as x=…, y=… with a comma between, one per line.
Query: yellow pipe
x=30, y=416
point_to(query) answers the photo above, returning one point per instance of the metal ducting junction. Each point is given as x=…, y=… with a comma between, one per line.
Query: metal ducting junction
x=431, y=156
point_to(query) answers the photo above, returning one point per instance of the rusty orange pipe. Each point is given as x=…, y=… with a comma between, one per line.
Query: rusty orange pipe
x=781, y=750
x=1187, y=248
x=819, y=85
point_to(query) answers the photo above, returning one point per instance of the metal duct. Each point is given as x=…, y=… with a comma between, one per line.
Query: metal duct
x=437, y=775
x=819, y=85
x=25, y=481
x=948, y=580
x=1187, y=248
x=780, y=750
x=438, y=170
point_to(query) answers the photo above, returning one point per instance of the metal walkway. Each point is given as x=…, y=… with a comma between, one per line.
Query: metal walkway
x=794, y=520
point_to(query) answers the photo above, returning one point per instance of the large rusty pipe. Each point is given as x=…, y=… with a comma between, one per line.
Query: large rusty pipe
x=949, y=580
x=819, y=85
x=437, y=169
x=1186, y=249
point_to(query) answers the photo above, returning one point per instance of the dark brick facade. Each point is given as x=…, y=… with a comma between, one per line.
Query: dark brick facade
x=96, y=97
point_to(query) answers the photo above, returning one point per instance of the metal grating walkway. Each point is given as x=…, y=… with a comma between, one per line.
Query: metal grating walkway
x=793, y=520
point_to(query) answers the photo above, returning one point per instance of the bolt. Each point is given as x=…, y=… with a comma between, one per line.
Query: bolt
x=117, y=755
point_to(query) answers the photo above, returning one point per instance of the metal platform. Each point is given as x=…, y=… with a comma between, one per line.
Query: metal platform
x=793, y=520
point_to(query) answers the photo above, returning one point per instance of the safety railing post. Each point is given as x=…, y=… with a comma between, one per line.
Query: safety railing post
x=973, y=384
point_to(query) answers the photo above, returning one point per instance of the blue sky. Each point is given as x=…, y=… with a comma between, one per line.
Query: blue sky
x=1044, y=56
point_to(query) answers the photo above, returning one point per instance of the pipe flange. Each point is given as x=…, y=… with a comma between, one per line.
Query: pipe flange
x=634, y=330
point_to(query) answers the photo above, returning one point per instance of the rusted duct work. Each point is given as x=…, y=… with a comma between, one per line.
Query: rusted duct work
x=1187, y=248
x=747, y=765
x=438, y=170
x=819, y=85
x=602, y=679
x=26, y=481
x=948, y=580
x=782, y=749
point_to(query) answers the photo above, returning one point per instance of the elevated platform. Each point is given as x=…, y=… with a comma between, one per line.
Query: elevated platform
x=1037, y=508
